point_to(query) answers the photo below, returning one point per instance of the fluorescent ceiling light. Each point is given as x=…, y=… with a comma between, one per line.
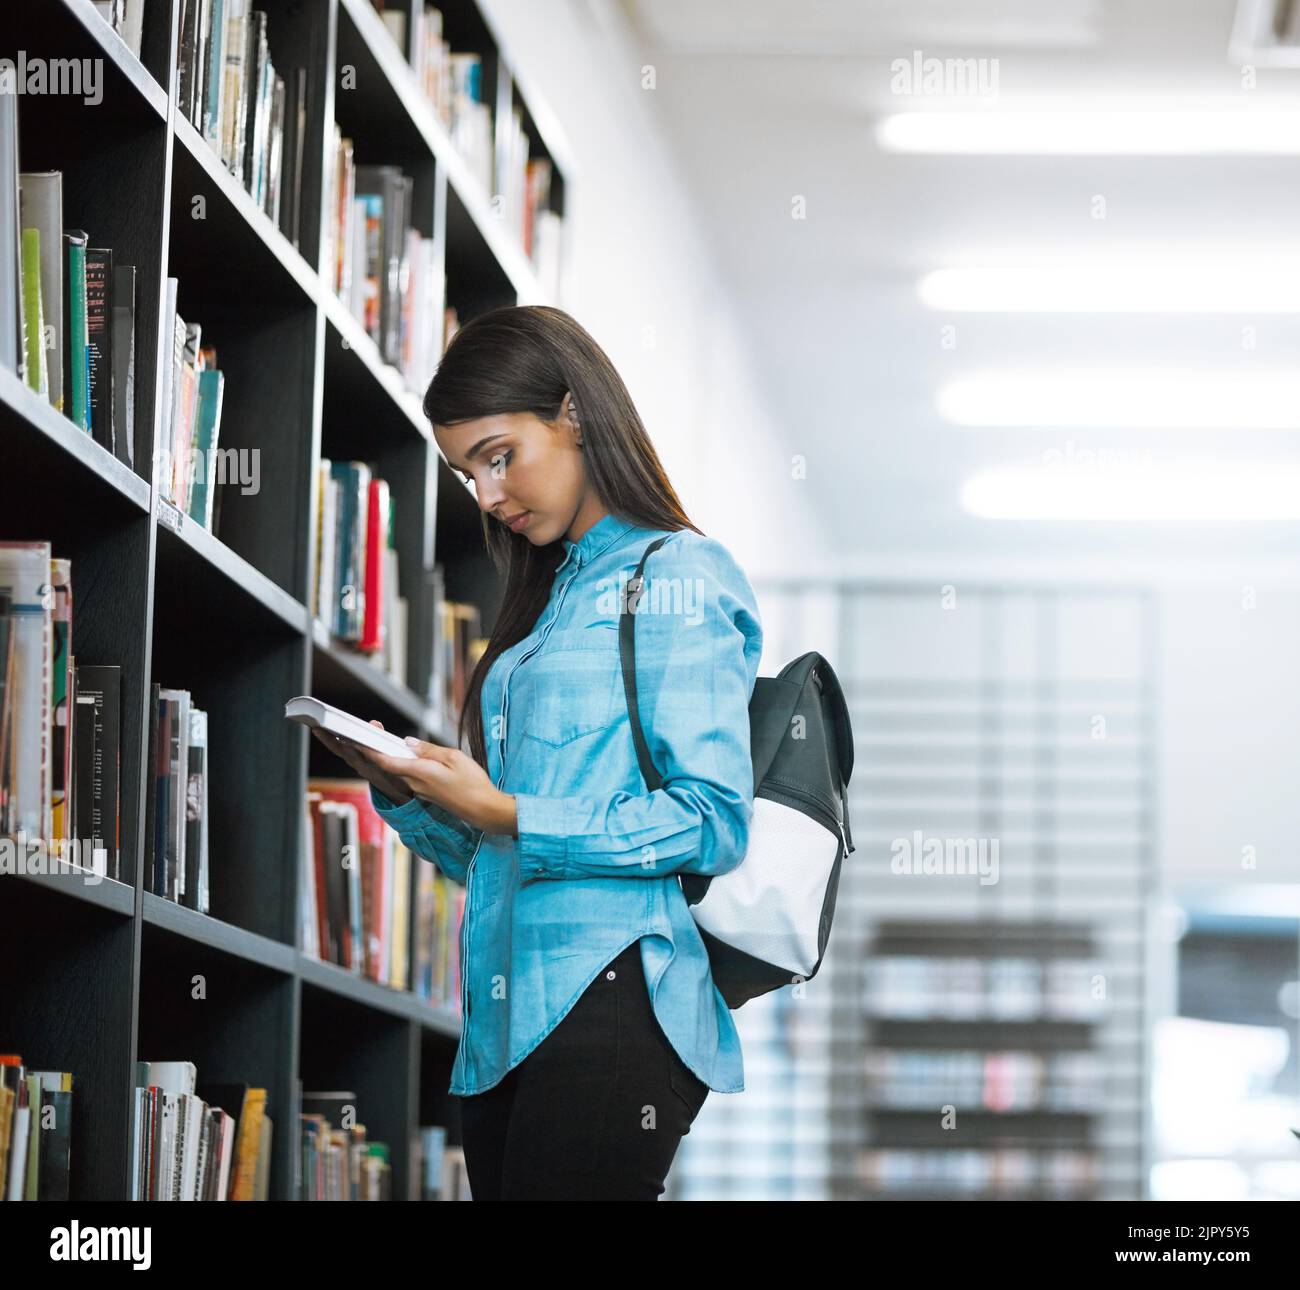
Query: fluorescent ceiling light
x=1079, y=287
x=1047, y=133
x=1174, y=399
x=1136, y=493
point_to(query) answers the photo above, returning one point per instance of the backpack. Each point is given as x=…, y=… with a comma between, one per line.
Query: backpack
x=766, y=922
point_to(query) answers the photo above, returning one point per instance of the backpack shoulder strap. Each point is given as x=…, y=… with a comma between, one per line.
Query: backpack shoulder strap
x=627, y=656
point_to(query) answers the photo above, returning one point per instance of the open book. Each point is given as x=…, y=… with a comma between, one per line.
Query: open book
x=312, y=712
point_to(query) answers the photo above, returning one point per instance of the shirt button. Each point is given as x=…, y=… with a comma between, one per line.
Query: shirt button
x=609, y=976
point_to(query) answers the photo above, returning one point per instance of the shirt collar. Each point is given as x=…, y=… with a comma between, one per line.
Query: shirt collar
x=602, y=534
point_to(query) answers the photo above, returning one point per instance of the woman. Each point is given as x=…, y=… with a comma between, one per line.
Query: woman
x=592, y=1030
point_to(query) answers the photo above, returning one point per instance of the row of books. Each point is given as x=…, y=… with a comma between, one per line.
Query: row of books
x=190, y=464
x=963, y=987
x=126, y=17
x=384, y=270
x=975, y=1172
x=451, y=82
x=356, y=584
x=363, y=908
x=518, y=184
x=340, y=1163
x=253, y=118
x=177, y=808
x=211, y=1141
x=67, y=326
x=458, y=644
x=35, y=1131
x=920, y=1079
x=187, y=1143
x=60, y=720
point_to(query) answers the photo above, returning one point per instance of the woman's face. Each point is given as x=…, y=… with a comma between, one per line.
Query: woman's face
x=526, y=468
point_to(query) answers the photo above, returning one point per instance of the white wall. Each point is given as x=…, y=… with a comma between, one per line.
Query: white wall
x=643, y=282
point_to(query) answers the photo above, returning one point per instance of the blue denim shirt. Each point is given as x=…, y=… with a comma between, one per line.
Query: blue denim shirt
x=596, y=861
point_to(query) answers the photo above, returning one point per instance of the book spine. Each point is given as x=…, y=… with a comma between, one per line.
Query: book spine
x=211, y=394
x=12, y=339
x=34, y=320
x=212, y=98
x=161, y=846
x=103, y=684
x=99, y=334
x=372, y=633
x=60, y=699
x=77, y=376
x=176, y=386
x=123, y=362
x=41, y=194
x=85, y=805
x=196, y=807
x=189, y=378
x=151, y=789
x=187, y=50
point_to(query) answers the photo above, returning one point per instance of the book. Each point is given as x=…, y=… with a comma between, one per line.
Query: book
x=76, y=375
x=166, y=328
x=196, y=814
x=99, y=687
x=373, y=566
x=176, y=771
x=25, y=576
x=123, y=362
x=211, y=393
x=42, y=193
x=99, y=341
x=294, y=147
x=33, y=317
x=317, y=715
x=12, y=335
x=61, y=665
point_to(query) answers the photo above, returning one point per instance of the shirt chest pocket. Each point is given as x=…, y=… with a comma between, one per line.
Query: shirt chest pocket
x=572, y=687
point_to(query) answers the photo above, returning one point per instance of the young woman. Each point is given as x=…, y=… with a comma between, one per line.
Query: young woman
x=592, y=1030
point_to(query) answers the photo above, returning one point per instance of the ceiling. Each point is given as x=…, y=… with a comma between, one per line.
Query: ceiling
x=767, y=102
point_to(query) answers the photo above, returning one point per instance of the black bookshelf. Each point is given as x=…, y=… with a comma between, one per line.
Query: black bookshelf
x=102, y=974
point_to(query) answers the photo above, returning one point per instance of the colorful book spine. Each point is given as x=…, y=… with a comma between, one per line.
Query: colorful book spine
x=61, y=699
x=41, y=199
x=25, y=574
x=372, y=631
x=77, y=380
x=211, y=392
x=34, y=318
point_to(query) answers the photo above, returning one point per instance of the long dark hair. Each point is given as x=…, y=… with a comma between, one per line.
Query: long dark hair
x=525, y=359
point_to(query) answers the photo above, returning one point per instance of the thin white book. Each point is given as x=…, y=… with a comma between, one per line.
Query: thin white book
x=322, y=716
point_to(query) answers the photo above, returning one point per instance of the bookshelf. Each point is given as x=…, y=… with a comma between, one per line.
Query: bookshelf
x=978, y=719
x=110, y=970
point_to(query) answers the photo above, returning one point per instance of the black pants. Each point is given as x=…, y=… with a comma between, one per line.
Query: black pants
x=595, y=1112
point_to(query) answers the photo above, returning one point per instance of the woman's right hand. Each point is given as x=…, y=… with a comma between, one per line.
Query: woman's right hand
x=359, y=759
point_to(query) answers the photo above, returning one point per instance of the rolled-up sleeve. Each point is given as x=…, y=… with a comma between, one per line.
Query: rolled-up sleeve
x=431, y=832
x=698, y=641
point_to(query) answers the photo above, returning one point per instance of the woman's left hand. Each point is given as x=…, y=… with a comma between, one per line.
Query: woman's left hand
x=453, y=780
